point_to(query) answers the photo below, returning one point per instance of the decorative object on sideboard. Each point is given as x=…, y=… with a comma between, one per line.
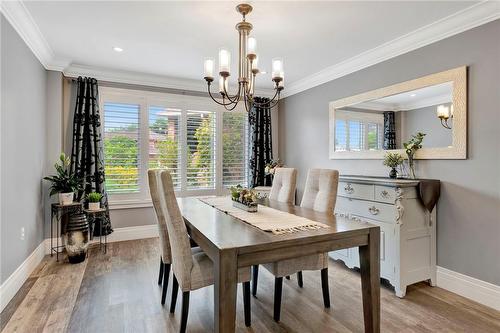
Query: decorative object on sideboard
x=76, y=238
x=64, y=182
x=247, y=69
x=411, y=147
x=444, y=113
x=270, y=168
x=244, y=198
x=393, y=160
x=94, y=199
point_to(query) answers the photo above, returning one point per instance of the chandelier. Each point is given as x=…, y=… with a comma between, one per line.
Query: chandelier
x=247, y=70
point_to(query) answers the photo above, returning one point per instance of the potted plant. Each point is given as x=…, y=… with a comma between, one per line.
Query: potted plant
x=411, y=147
x=393, y=160
x=94, y=199
x=64, y=182
x=270, y=168
x=244, y=198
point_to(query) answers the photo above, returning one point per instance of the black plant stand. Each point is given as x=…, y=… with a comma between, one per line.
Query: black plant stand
x=57, y=212
x=92, y=215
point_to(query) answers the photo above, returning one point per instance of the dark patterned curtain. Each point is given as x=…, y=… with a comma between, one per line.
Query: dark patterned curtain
x=389, y=130
x=86, y=154
x=261, y=151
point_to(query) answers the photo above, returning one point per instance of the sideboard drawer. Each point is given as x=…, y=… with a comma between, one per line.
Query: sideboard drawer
x=358, y=191
x=369, y=209
x=385, y=194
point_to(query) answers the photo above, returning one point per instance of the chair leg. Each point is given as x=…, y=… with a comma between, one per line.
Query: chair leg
x=175, y=289
x=255, y=278
x=166, y=274
x=160, y=277
x=246, y=303
x=300, y=281
x=278, y=288
x=185, y=311
x=324, y=286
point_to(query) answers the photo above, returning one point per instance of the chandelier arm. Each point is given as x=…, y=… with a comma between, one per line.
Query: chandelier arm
x=235, y=104
x=215, y=100
x=233, y=98
x=270, y=101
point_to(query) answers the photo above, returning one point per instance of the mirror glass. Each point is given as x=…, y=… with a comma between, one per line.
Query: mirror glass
x=385, y=123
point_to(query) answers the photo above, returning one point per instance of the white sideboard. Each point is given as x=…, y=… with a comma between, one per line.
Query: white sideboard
x=407, y=229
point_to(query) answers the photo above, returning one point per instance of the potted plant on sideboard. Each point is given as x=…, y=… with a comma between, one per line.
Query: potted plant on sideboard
x=94, y=199
x=64, y=182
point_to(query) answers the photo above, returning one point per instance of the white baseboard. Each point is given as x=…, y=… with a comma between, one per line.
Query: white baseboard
x=477, y=290
x=14, y=282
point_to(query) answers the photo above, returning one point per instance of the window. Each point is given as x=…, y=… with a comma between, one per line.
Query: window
x=356, y=131
x=204, y=147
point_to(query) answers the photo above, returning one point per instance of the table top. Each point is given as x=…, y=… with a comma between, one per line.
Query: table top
x=227, y=232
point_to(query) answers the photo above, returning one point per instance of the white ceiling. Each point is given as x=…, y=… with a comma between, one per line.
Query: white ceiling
x=172, y=38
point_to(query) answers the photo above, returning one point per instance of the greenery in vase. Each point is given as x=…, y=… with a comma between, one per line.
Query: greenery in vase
x=64, y=181
x=271, y=166
x=414, y=144
x=94, y=197
x=393, y=160
x=243, y=195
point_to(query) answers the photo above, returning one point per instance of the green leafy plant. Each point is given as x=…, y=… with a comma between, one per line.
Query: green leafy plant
x=392, y=160
x=414, y=144
x=64, y=181
x=271, y=166
x=243, y=195
x=94, y=197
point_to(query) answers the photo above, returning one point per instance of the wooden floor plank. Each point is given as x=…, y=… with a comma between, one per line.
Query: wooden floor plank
x=118, y=292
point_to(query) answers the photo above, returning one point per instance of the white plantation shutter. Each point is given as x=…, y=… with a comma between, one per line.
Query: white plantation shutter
x=234, y=151
x=164, y=141
x=201, y=149
x=121, y=147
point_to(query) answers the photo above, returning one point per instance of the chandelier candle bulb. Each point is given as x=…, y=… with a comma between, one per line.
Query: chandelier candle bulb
x=209, y=68
x=277, y=68
x=251, y=47
x=224, y=61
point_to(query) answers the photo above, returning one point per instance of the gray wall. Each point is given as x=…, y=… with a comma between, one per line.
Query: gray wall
x=23, y=153
x=425, y=120
x=469, y=208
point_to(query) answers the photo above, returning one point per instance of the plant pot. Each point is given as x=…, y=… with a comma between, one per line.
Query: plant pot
x=76, y=238
x=393, y=173
x=251, y=208
x=94, y=205
x=66, y=198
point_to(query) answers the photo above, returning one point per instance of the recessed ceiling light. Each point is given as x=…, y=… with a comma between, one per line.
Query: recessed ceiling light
x=413, y=95
x=117, y=49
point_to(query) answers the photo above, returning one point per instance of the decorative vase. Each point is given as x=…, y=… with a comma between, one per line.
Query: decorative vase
x=251, y=208
x=76, y=238
x=66, y=198
x=411, y=167
x=94, y=205
x=393, y=173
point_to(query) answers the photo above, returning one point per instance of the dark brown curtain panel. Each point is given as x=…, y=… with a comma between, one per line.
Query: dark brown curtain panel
x=261, y=145
x=87, y=151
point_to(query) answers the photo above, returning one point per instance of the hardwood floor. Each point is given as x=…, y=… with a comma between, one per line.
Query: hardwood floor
x=118, y=292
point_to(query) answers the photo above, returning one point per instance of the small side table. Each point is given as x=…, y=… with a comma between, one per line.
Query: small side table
x=91, y=216
x=57, y=212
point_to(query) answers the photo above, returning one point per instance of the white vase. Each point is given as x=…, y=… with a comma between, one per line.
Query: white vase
x=94, y=205
x=66, y=198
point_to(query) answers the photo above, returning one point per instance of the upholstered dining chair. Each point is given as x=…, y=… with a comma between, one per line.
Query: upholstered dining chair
x=191, y=270
x=282, y=190
x=320, y=195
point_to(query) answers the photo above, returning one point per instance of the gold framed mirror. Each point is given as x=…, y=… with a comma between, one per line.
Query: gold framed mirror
x=367, y=125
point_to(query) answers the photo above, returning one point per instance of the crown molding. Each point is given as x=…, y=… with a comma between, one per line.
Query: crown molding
x=144, y=79
x=466, y=19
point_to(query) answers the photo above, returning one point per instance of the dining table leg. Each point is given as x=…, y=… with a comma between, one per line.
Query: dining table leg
x=369, y=257
x=225, y=284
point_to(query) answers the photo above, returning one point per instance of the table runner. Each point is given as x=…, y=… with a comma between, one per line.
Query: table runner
x=266, y=218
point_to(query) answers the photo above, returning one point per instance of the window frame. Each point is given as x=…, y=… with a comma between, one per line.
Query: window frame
x=145, y=99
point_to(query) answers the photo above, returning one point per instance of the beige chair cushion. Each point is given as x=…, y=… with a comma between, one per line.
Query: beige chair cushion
x=320, y=192
x=284, y=182
x=157, y=198
x=193, y=269
x=286, y=267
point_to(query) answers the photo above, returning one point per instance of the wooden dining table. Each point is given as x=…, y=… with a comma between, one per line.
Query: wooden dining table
x=231, y=243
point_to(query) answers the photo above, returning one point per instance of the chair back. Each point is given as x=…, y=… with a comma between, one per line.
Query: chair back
x=320, y=192
x=284, y=182
x=157, y=197
x=182, y=259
